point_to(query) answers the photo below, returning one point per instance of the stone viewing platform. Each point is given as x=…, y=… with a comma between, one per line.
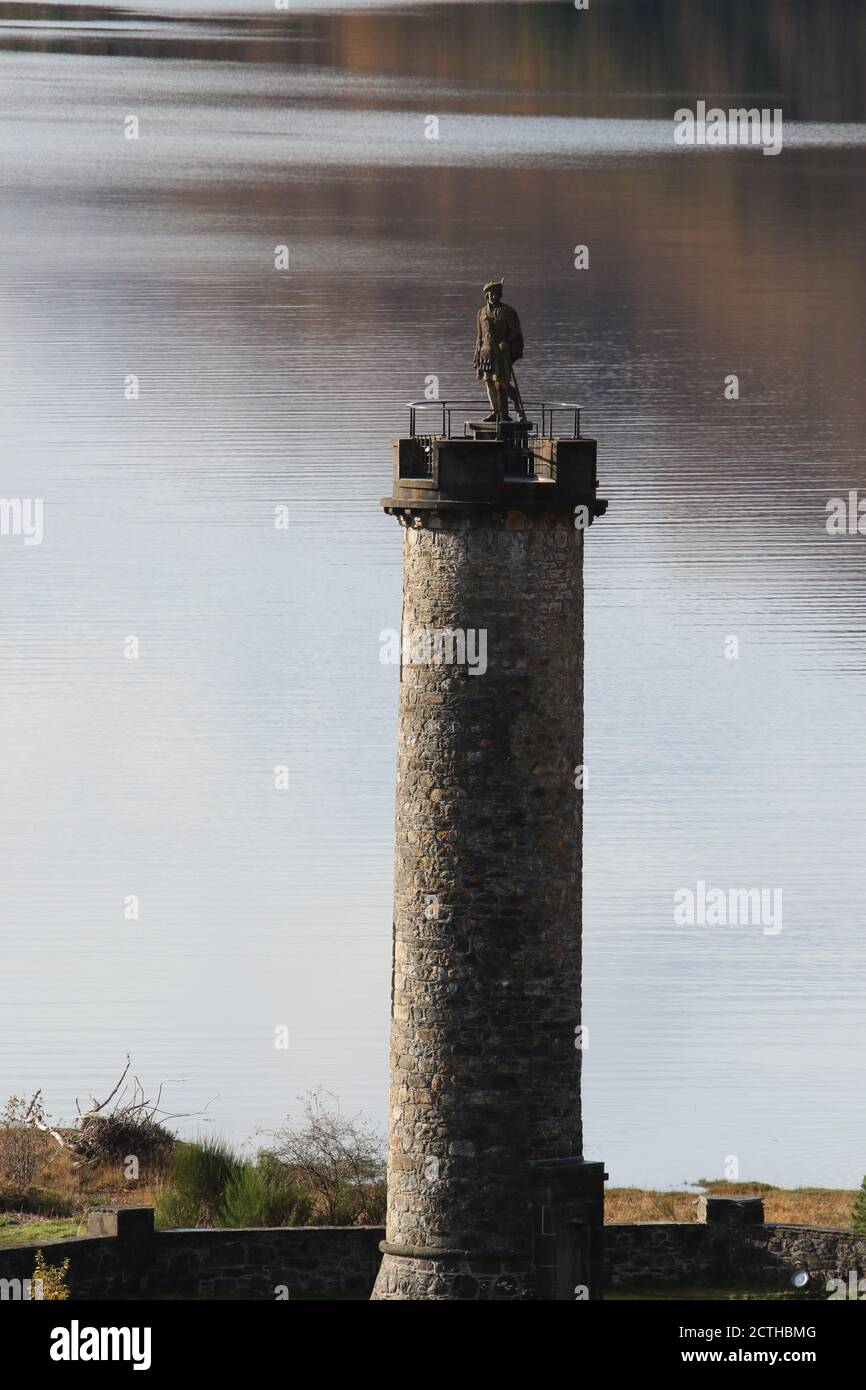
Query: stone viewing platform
x=512, y=465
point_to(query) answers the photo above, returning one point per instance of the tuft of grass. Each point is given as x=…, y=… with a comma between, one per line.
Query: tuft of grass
x=198, y=1175
x=626, y=1204
x=253, y=1197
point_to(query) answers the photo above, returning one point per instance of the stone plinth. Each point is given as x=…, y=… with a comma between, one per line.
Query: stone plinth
x=731, y=1211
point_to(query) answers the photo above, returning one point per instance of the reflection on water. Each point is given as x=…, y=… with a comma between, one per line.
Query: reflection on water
x=629, y=57
x=259, y=647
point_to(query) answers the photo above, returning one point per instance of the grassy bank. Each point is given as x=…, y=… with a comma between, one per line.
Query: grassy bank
x=801, y=1206
x=16, y=1229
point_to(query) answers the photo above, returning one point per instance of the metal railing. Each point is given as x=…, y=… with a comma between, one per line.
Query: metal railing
x=544, y=429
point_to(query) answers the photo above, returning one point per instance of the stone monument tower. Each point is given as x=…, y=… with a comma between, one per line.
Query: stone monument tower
x=489, y=1196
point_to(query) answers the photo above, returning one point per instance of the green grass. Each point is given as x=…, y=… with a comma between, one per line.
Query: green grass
x=15, y=1232
x=195, y=1183
x=253, y=1197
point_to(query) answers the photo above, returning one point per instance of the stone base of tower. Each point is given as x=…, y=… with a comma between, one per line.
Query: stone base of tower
x=456, y=1278
x=567, y=1231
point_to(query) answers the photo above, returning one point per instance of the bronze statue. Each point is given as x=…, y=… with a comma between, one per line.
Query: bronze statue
x=498, y=345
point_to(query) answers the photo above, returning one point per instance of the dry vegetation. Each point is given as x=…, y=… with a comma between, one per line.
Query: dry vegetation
x=57, y=1172
x=326, y=1169
x=55, y=1203
x=330, y=1165
x=802, y=1206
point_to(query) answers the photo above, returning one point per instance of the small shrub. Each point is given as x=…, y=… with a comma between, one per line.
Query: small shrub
x=20, y=1144
x=858, y=1211
x=195, y=1183
x=52, y=1278
x=372, y=1209
x=254, y=1197
x=339, y=1159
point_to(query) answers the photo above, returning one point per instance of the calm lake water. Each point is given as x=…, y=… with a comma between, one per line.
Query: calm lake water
x=258, y=388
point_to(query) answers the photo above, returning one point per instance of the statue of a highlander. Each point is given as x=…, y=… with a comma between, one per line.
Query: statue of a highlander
x=498, y=345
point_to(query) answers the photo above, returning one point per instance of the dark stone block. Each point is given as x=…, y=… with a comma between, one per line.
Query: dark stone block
x=219, y=1255
x=127, y=1223
x=731, y=1211
x=184, y=1265
x=465, y=1287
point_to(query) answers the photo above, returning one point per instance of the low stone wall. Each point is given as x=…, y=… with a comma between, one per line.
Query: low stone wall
x=122, y=1255
x=730, y=1245
x=776, y=1252
x=651, y=1252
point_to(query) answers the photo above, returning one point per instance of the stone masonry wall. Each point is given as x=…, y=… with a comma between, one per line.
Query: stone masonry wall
x=332, y=1260
x=649, y=1252
x=141, y=1262
x=763, y=1255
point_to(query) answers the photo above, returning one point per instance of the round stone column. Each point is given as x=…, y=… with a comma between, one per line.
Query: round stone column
x=485, y=1071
